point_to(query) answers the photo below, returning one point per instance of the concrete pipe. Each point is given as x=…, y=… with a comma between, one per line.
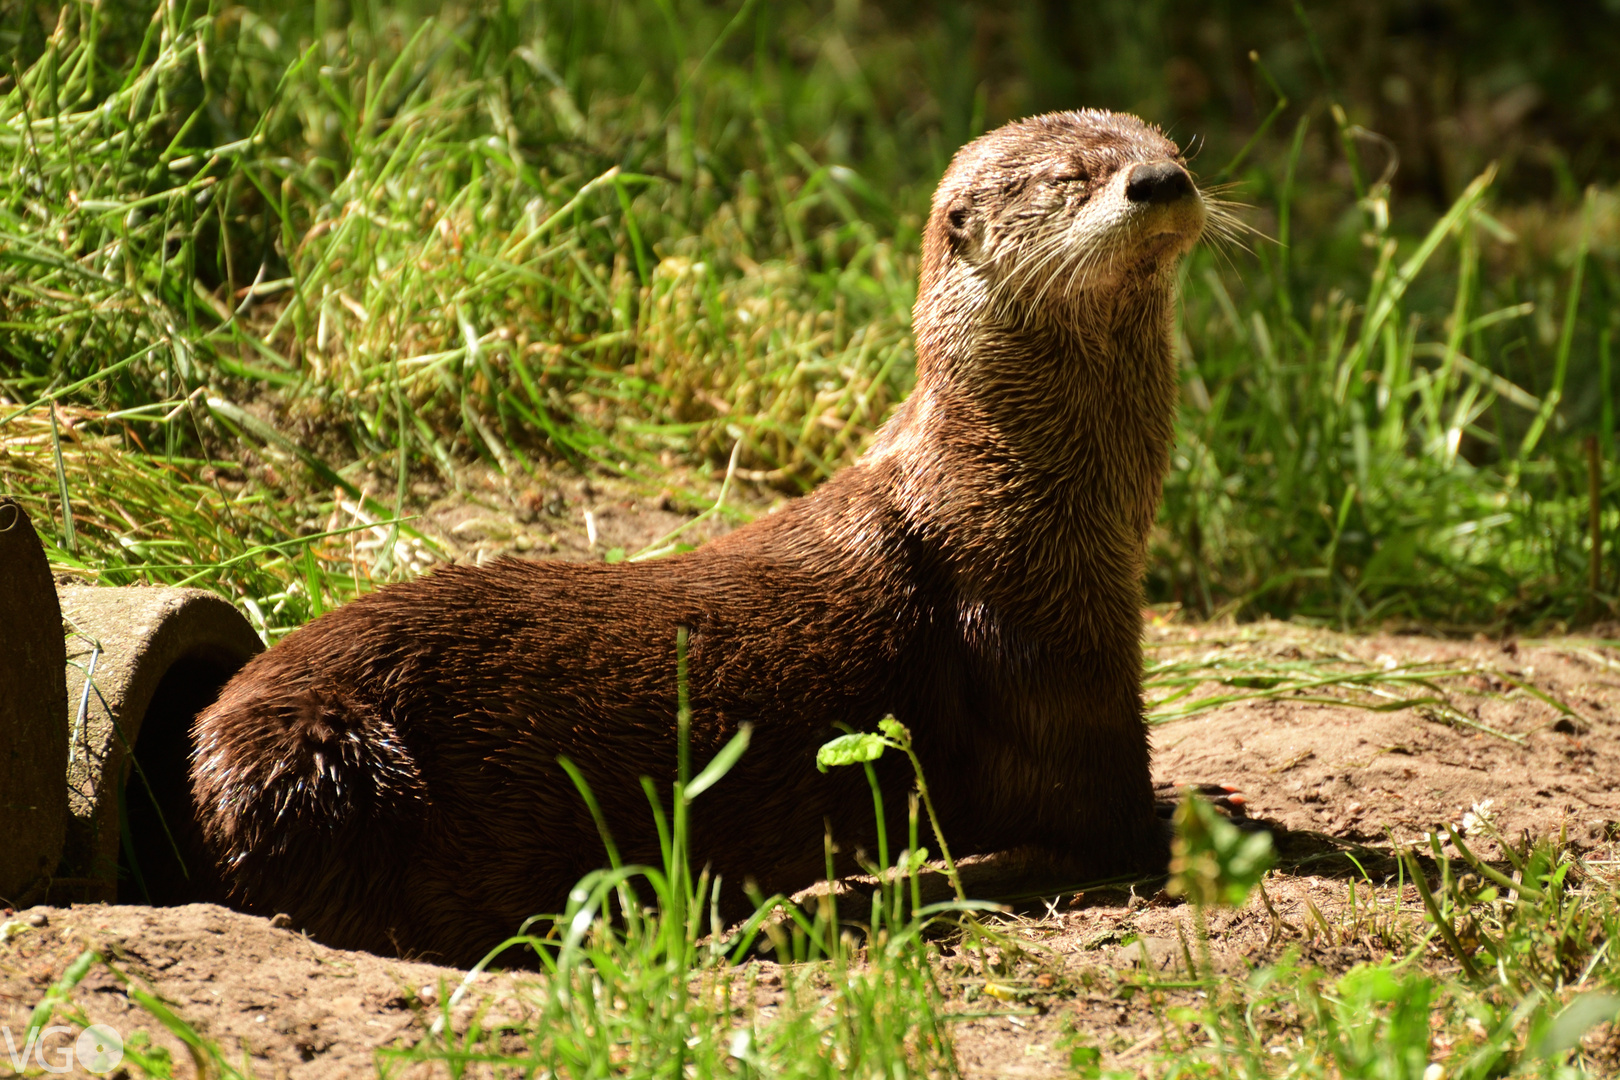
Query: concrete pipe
x=143, y=663
x=33, y=707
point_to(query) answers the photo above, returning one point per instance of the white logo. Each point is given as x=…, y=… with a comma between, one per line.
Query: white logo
x=99, y=1049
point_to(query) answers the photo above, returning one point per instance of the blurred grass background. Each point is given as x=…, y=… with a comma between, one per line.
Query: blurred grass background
x=265, y=267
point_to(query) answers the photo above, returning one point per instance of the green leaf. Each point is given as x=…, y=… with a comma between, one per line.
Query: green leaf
x=62, y=991
x=1577, y=1019
x=851, y=750
x=1086, y=1061
x=1363, y=985
x=722, y=763
x=1254, y=682
x=1212, y=860
x=894, y=729
x=1383, y=1013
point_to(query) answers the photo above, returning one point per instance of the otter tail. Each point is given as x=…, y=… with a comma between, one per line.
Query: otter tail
x=309, y=803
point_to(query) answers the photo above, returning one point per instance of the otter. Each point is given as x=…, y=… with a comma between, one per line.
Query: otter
x=388, y=775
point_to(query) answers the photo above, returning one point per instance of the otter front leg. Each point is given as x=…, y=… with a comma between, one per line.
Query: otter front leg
x=1042, y=826
x=1069, y=774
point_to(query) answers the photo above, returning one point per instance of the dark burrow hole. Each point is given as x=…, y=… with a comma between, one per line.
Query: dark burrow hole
x=160, y=858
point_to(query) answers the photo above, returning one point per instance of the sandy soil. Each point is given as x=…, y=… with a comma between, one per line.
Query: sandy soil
x=1330, y=782
x=1352, y=773
x=1533, y=727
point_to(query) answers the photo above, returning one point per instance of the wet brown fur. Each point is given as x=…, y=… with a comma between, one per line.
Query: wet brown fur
x=388, y=774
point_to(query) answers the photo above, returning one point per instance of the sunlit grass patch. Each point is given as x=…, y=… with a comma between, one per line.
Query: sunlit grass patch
x=110, y=510
x=1482, y=976
x=373, y=235
x=1366, y=453
x=634, y=239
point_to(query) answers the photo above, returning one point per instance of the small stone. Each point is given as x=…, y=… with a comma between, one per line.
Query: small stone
x=427, y=995
x=281, y=921
x=1100, y=939
x=37, y=919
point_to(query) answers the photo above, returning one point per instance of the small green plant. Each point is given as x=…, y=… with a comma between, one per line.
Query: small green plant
x=1380, y=1022
x=864, y=747
x=1084, y=1059
x=1505, y=972
x=639, y=977
x=138, y=1051
x=1212, y=861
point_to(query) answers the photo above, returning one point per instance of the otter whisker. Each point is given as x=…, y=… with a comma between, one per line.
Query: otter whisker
x=1048, y=270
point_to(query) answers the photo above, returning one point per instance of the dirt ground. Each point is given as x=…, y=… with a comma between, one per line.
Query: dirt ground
x=1326, y=780
x=1527, y=732
x=572, y=518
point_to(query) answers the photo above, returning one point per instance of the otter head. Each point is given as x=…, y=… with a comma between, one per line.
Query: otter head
x=1037, y=436
x=1062, y=210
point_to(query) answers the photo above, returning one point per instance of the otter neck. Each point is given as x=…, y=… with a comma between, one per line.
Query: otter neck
x=1034, y=451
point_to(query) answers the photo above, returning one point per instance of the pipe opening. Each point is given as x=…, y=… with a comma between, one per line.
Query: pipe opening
x=160, y=857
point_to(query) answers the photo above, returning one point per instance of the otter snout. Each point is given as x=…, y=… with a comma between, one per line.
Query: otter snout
x=1158, y=182
x=1163, y=198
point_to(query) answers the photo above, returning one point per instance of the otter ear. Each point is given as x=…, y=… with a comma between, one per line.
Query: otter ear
x=960, y=223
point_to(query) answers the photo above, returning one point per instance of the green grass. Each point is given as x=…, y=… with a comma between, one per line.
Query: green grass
x=1500, y=977
x=632, y=990
x=1185, y=678
x=337, y=250
x=1357, y=458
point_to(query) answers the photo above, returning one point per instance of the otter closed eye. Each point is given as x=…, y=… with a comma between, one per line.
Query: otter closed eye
x=388, y=775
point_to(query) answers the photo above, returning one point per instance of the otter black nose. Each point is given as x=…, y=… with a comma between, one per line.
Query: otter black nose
x=1158, y=182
